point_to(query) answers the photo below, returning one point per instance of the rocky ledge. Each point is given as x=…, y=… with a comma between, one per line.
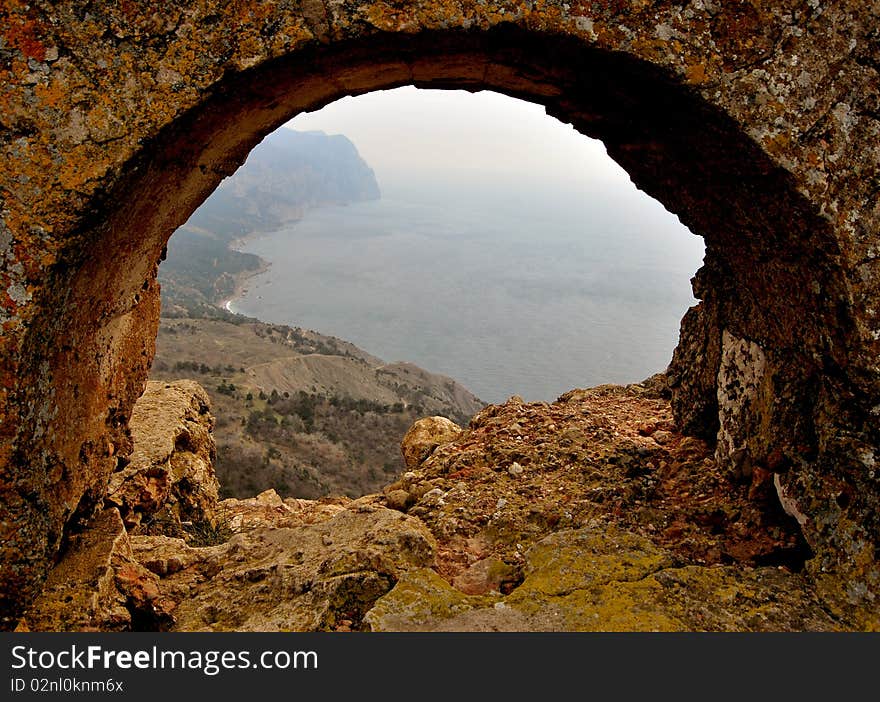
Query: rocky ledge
x=588, y=514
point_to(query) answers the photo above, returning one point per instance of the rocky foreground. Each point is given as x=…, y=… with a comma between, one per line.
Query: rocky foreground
x=588, y=514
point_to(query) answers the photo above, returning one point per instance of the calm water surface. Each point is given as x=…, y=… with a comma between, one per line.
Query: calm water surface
x=508, y=291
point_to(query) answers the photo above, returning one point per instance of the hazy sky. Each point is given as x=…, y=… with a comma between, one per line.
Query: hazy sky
x=405, y=131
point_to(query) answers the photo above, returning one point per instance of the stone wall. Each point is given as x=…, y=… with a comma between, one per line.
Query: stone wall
x=756, y=121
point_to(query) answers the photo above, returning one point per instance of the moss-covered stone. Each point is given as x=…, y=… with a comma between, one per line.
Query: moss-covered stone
x=421, y=600
x=583, y=558
x=604, y=579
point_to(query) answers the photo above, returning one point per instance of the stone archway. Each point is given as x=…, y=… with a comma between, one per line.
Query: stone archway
x=756, y=122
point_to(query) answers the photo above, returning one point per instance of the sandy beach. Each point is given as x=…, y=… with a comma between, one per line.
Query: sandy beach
x=241, y=280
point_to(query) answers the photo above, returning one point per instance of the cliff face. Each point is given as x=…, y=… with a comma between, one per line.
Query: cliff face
x=588, y=514
x=287, y=174
x=756, y=122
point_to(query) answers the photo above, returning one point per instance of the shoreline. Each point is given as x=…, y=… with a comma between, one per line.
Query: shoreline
x=243, y=277
x=241, y=281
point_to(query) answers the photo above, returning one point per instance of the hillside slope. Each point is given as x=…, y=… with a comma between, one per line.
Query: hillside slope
x=305, y=414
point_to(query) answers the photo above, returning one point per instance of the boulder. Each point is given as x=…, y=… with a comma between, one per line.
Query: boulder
x=424, y=436
x=314, y=576
x=169, y=478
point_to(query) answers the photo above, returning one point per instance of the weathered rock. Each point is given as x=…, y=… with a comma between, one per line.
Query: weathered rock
x=604, y=579
x=171, y=469
x=693, y=372
x=397, y=499
x=98, y=586
x=597, y=533
x=756, y=123
x=485, y=576
x=269, y=510
x=742, y=393
x=308, y=577
x=586, y=457
x=421, y=601
x=424, y=436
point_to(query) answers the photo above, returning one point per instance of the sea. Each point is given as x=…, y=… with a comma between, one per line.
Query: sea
x=509, y=290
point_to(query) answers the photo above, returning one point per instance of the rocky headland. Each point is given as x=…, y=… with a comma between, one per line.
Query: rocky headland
x=288, y=174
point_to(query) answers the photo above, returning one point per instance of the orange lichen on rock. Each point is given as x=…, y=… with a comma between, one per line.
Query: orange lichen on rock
x=755, y=122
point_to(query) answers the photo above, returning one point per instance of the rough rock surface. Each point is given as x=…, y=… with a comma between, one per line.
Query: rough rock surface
x=758, y=123
x=424, y=436
x=596, y=530
x=314, y=576
x=607, y=487
x=592, y=454
x=598, y=578
x=169, y=476
x=98, y=586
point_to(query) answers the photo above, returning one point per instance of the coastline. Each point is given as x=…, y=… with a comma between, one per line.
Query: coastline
x=242, y=278
x=241, y=281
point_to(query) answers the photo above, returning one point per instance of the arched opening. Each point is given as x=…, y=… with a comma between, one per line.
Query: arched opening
x=480, y=240
x=771, y=288
x=528, y=203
